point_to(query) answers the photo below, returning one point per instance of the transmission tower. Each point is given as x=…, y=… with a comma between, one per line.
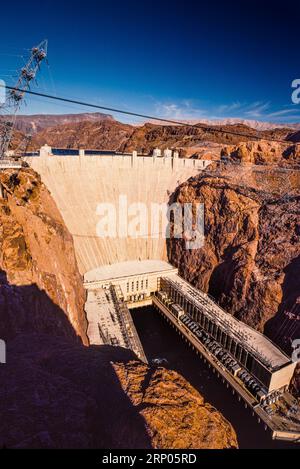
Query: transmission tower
x=15, y=97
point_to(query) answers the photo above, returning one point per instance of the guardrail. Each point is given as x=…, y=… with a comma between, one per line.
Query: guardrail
x=7, y=164
x=127, y=325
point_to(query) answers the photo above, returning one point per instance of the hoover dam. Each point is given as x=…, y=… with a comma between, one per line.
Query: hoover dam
x=79, y=183
x=125, y=272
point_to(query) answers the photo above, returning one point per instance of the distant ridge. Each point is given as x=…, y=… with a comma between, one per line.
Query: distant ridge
x=254, y=124
x=37, y=122
x=99, y=130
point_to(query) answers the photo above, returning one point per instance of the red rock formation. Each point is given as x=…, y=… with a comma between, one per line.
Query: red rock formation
x=175, y=414
x=250, y=259
x=262, y=152
x=150, y=136
x=103, y=134
x=36, y=253
x=58, y=394
x=294, y=137
x=37, y=122
x=96, y=131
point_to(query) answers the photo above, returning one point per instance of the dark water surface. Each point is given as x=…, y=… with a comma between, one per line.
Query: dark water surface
x=161, y=341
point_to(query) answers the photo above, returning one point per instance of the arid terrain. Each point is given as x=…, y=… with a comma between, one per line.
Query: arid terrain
x=35, y=123
x=101, y=131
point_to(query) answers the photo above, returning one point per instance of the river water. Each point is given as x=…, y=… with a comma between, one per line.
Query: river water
x=161, y=341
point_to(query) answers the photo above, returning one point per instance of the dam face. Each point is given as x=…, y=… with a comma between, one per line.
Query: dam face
x=79, y=184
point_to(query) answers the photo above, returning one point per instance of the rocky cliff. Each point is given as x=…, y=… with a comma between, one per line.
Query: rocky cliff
x=102, y=134
x=262, y=153
x=190, y=139
x=108, y=134
x=37, y=122
x=250, y=258
x=55, y=394
x=41, y=289
x=175, y=414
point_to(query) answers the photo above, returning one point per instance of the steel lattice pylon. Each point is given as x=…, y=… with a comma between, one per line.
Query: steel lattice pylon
x=14, y=98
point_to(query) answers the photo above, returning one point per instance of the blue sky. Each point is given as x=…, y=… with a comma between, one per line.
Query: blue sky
x=179, y=60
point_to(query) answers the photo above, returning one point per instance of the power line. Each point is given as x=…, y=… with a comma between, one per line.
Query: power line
x=144, y=116
x=16, y=96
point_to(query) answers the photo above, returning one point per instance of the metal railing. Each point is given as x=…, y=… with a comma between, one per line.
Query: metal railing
x=6, y=164
x=127, y=326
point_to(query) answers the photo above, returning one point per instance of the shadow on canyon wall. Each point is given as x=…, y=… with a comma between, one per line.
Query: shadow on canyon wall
x=55, y=392
x=284, y=327
x=26, y=308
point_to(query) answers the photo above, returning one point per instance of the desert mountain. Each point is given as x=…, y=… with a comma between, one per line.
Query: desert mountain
x=102, y=131
x=254, y=124
x=102, y=134
x=35, y=123
x=190, y=139
x=113, y=135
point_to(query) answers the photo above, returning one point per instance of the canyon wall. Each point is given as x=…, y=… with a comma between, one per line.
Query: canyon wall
x=41, y=288
x=250, y=259
x=94, y=131
x=106, y=134
x=175, y=414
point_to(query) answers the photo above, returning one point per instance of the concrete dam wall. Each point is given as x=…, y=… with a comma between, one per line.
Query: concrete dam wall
x=79, y=183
